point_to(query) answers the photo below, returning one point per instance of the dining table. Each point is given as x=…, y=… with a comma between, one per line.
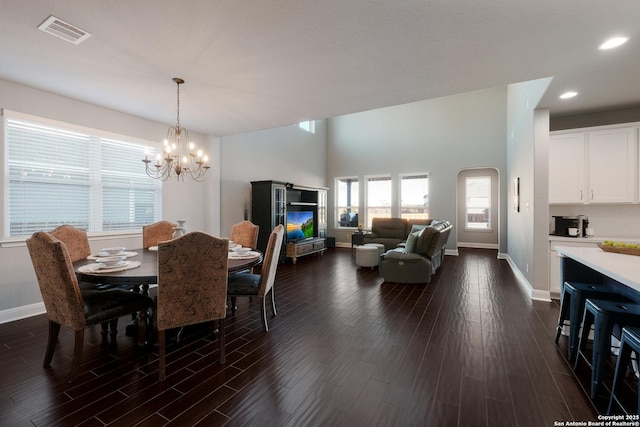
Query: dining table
x=146, y=273
x=142, y=271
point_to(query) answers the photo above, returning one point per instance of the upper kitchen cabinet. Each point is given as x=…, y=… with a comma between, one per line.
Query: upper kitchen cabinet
x=567, y=168
x=612, y=165
x=595, y=165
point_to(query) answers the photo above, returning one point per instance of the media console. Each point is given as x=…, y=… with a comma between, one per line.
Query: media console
x=302, y=210
x=305, y=247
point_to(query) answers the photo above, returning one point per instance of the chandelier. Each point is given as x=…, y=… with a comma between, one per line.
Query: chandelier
x=179, y=157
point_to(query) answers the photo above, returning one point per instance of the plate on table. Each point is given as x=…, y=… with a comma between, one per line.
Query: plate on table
x=245, y=255
x=102, y=266
x=100, y=255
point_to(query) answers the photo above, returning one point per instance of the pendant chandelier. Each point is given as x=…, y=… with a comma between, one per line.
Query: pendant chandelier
x=179, y=156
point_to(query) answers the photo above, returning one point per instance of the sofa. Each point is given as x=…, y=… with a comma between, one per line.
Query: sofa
x=416, y=259
x=393, y=231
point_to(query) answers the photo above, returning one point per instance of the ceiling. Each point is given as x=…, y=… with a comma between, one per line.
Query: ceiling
x=251, y=65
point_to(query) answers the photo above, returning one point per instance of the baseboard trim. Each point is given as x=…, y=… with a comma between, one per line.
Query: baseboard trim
x=23, y=312
x=534, y=294
x=477, y=245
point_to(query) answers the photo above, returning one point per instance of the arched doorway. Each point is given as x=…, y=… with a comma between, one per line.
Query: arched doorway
x=478, y=208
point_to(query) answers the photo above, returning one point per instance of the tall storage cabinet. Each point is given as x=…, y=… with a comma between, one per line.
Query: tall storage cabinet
x=268, y=208
x=270, y=202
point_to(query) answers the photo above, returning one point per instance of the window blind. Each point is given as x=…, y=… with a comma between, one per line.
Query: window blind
x=60, y=176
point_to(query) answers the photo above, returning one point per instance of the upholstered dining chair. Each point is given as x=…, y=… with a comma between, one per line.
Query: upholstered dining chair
x=245, y=233
x=77, y=243
x=75, y=239
x=259, y=285
x=67, y=305
x=156, y=232
x=192, y=286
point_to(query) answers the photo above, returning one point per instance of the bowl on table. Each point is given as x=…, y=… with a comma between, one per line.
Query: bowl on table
x=241, y=250
x=113, y=251
x=111, y=261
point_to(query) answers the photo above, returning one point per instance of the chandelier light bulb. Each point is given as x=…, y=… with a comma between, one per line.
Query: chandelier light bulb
x=180, y=160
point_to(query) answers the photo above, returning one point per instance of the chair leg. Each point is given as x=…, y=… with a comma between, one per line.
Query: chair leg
x=77, y=355
x=104, y=331
x=54, y=329
x=621, y=369
x=263, y=312
x=142, y=328
x=564, y=308
x=221, y=341
x=273, y=302
x=234, y=306
x=161, y=354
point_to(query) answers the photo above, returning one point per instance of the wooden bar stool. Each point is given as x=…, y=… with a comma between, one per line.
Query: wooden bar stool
x=630, y=341
x=574, y=295
x=603, y=315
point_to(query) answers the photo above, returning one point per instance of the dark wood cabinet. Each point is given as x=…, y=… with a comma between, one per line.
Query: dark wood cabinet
x=270, y=202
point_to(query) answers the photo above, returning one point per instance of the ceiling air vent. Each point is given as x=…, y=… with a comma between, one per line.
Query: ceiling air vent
x=64, y=30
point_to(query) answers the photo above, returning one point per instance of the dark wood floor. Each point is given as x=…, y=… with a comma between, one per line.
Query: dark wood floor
x=346, y=349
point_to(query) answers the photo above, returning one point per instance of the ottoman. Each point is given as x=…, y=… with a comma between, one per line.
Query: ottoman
x=367, y=256
x=380, y=247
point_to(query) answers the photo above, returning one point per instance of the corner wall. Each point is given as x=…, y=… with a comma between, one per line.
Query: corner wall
x=527, y=147
x=197, y=203
x=439, y=136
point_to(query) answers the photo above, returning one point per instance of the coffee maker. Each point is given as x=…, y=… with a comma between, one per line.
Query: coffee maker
x=564, y=223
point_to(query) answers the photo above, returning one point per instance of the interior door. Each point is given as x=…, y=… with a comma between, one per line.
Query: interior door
x=477, y=208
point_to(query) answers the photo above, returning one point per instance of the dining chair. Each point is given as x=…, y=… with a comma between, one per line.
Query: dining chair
x=67, y=305
x=156, y=232
x=245, y=233
x=77, y=243
x=75, y=239
x=192, y=286
x=259, y=285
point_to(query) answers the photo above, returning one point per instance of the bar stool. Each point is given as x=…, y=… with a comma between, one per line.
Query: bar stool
x=574, y=295
x=630, y=341
x=603, y=315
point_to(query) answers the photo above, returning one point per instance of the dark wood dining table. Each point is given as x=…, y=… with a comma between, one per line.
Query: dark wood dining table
x=147, y=272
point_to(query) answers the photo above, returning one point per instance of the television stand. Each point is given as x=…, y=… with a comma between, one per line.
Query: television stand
x=305, y=247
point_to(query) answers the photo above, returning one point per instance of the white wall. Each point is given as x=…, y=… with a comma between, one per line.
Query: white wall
x=288, y=154
x=528, y=135
x=439, y=136
x=197, y=203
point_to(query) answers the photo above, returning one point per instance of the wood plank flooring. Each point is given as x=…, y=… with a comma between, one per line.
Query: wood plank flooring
x=346, y=349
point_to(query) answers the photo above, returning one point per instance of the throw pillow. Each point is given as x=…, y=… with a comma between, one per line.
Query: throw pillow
x=426, y=236
x=417, y=227
x=410, y=246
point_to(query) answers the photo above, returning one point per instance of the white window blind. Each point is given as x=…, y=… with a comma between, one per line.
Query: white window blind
x=60, y=176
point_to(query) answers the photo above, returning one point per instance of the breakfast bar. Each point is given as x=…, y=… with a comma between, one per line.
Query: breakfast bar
x=598, y=274
x=594, y=265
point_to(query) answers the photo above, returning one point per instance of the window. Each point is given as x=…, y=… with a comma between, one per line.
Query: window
x=378, y=198
x=60, y=175
x=414, y=196
x=478, y=203
x=309, y=126
x=347, y=197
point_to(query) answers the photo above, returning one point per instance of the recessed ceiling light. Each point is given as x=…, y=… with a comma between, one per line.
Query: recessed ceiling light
x=568, y=95
x=613, y=42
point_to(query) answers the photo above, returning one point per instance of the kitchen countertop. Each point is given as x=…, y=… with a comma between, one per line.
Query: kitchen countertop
x=620, y=267
x=593, y=239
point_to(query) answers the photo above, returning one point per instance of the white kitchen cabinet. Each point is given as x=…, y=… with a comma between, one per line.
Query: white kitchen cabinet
x=595, y=165
x=612, y=165
x=554, y=259
x=567, y=168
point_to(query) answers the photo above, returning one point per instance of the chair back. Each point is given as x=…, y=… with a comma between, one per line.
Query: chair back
x=157, y=232
x=271, y=259
x=75, y=239
x=57, y=280
x=192, y=280
x=245, y=233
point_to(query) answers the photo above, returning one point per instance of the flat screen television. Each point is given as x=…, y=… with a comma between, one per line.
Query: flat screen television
x=300, y=225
